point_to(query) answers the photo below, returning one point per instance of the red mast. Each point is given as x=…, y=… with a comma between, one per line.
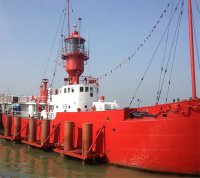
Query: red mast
x=190, y=23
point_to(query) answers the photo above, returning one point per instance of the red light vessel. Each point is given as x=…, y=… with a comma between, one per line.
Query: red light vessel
x=72, y=121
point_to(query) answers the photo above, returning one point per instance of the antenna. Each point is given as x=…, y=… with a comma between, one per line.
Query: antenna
x=68, y=18
x=79, y=28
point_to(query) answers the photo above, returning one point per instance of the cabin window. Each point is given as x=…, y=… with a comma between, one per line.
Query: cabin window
x=68, y=90
x=81, y=89
x=91, y=89
x=86, y=89
x=72, y=90
x=56, y=91
x=65, y=90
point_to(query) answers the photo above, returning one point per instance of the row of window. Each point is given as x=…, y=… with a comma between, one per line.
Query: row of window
x=81, y=89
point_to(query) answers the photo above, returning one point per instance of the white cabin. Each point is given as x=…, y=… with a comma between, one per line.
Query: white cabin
x=83, y=97
x=74, y=98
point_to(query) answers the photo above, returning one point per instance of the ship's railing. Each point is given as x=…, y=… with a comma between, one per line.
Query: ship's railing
x=5, y=98
x=88, y=80
x=32, y=99
x=9, y=99
x=26, y=114
x=25, y=99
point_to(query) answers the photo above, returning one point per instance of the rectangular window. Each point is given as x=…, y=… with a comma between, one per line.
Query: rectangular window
x=72, y=90
x=81, y=89
x=65, y=90
x=86, y=89
x=68, y=90
x=91, y=90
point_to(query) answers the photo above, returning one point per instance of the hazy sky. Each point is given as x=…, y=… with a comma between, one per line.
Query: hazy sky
x=114, y=28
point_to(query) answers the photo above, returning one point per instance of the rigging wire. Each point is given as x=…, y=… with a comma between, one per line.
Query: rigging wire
x=137, y=49
x=169, y=83
x=87, y=63
x=57, y=58
x=60, y=48
x=73, y=13
x=165, y=49
x=54, y=41
x=196, y=44
x=165, y=72
x=197, y=6
x=152, y=58
x=88, y=46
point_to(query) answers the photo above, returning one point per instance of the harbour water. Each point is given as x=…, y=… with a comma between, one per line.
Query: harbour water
x=19, y=160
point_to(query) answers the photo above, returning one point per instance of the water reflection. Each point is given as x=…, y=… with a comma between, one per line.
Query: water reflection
x=19, y=160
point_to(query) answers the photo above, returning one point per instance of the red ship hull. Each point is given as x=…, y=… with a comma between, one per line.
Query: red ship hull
x=169, y=142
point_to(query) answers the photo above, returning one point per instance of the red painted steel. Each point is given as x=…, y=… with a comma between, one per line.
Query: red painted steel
x=165, y=137
x=86, y=137
x=168, y=142
x=192, y=63
x=68, y=135
x=32, y=130
x=43, y=91
x=8, y=126
x=75, y=56
x=45, y=131
x=17, y=127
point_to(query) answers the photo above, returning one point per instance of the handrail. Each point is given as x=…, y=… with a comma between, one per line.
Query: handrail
x=27, y=114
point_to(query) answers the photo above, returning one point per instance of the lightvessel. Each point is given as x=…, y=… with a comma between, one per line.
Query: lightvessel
x=75, y=121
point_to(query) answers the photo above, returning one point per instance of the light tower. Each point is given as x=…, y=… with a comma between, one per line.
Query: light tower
x=44, y=91
x=75, y=55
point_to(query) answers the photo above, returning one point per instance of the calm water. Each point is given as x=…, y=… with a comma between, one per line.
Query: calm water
x=18, y=160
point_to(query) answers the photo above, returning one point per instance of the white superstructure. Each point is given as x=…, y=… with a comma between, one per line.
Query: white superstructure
x=74, y=98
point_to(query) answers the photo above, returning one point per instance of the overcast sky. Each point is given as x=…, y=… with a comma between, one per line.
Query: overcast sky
x=114, y=29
